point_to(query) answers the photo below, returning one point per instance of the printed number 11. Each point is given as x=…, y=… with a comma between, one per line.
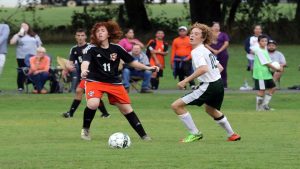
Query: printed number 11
x=106, y=67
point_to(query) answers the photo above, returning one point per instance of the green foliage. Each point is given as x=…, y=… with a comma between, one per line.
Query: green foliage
x=93, y=14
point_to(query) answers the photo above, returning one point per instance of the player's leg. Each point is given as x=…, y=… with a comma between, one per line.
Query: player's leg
x=268, y=96
x=88, y=116
x=221, y=119
x=261, y=87
x=178, y=107
x=118, y=96
x=103, y=110
x=76, y=102
x=154, y=81
x=133, y=120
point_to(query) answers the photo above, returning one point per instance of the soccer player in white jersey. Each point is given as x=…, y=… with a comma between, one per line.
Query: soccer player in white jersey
x=211, y=90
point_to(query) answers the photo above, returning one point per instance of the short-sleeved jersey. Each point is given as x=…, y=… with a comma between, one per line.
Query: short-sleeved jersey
x=76, y=53
x=104, y=63
x=202, y=56
x=159, y=45
x=260, y=69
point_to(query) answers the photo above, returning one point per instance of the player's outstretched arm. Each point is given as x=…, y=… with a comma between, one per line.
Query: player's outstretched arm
x=274, y=68
x=84, y=69
x=198, y=72
x=138, y=65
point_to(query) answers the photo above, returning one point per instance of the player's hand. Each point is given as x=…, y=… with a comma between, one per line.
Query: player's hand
x=84, y=73
x=181, y=85
x=280, y=69
x=154, y=68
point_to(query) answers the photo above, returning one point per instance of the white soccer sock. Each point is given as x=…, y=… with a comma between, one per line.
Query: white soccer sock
x=267, y=99
x=259, y=101
x=224, y=123
x=189, y=123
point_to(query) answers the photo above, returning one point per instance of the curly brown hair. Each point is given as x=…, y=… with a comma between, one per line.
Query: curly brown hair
x=206, y=32
x=114, y=32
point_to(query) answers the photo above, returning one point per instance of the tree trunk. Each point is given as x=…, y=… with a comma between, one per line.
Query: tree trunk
x=205, y=11
x=297, y=16
x=234, y=6
x=137, y=14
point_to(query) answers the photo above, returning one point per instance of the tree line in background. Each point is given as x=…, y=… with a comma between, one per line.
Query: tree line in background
x=236, y=16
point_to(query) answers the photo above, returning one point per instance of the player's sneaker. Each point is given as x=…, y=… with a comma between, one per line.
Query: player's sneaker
x=105, y=116
x=85, y=134
x=67, y=115
x=192, y=137
x=267, y=108
x=234, y=137
x=146, y=138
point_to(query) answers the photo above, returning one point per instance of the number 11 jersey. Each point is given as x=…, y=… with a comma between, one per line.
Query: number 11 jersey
x=104, y=63
x=202, y=56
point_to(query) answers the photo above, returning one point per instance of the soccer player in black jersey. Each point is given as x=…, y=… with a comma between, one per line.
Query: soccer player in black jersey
x=100, y=70
x=76, y=56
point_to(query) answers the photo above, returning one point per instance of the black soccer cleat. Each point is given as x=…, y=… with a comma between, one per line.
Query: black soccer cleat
x=67, y=115
x=105, y=116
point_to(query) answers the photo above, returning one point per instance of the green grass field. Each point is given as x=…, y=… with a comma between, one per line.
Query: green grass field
x=34, y=135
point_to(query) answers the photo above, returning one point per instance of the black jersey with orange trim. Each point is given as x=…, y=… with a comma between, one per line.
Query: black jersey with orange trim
x=104, y=63
x=76, y=53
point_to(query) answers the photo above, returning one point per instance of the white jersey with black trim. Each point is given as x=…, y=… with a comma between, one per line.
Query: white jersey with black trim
x=202, y=56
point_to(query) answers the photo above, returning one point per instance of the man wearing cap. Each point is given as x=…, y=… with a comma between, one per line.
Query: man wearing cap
x=181, y=56
x=276, y=56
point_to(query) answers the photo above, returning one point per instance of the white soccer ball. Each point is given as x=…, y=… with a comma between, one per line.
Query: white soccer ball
x=276, y=65
x=119, y=140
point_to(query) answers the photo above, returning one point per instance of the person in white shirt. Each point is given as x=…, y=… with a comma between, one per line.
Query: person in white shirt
x=276, y=56
x=257, y=30
x=211, y=90
x=4, y=33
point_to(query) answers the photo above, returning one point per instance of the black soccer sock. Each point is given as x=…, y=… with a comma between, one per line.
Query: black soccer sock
x=88, y=117
x=154, y=83
x=102, y=108
x=74, y=106
x=135, y=123
x=157, y=83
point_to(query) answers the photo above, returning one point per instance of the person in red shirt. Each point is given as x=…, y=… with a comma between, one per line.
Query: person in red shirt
x=39, y=70
x=99, y=68
x=157, y=49
x=181, y=62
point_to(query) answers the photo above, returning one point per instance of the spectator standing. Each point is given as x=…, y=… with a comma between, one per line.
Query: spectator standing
x=27, y=42
x=4, y=33
x=181, y=62
x=219, y=47
x=277, y=56
x=252, y=42
x=39, y=70
x=157, y=49
x=128, y=71
x=129, y=40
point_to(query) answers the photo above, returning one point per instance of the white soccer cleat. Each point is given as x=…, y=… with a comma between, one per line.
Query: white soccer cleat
x=85, y=134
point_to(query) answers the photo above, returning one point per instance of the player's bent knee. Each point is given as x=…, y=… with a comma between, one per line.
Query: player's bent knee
x=93, y=103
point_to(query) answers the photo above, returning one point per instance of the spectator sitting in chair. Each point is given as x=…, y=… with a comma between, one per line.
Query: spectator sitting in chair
x=277, y=56
x=128, y=72
x=39, y=70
